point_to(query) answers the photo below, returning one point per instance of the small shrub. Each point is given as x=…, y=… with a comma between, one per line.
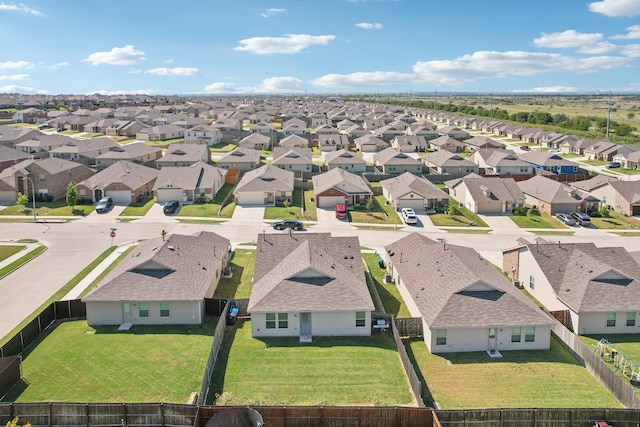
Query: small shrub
x=533, y=211
x=519, y=211
x=286, y=203
x=453, y=211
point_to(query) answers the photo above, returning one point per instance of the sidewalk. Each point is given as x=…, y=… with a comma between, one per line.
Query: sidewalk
x=93, y=275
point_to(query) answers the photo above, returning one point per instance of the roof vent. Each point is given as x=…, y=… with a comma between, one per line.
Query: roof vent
x=171, y=248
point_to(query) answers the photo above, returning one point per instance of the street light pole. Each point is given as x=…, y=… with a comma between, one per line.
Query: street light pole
x=33, y=196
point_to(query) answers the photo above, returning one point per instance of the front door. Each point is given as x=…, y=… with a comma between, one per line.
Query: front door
x=305, y=323
x=126, y=312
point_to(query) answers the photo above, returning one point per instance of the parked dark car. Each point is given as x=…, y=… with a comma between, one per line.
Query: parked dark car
x=104, y=205
x=581, y=218
x=171, y=206
x=288, y=223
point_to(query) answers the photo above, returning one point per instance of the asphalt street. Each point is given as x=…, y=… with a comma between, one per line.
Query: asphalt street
x=73, y=245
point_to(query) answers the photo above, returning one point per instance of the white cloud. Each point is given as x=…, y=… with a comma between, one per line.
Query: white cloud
x=121, y=92
x=369, y=26
x=289, y=44
x=489, y=64
x=21, y=89
x=177, y=71
x=14, y=77
x=569, y=38
x=549, y=89
x=272, y=12
x=126, y=55
x=270, y=85
x=598, y=48
x=633, y=33
x=631, y=50
x=615, y=8
x=364, y=79
x=15, y=64
x=19, y=7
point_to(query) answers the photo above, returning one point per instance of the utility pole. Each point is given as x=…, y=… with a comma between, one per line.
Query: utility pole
x=491, y=106
x=608, y=113
x=435, y=100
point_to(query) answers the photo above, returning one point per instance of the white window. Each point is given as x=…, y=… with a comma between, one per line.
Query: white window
x=516, y=334
x=529, y=334
x=441, y=337
x=270, y=320
x=532, y=282
x=144, y=309
x=165, y=309
x=283, y=320
x=631, y=318
x=611, y=320
x=360, y=319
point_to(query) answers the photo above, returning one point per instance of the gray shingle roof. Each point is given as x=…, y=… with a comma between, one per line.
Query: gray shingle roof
x=266, y=178
x=342, y=180
x=408, y=182
x=551, y=191
x=198, y=175
x=132, y=175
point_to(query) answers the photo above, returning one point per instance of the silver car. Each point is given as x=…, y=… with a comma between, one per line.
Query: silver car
x=566, y=219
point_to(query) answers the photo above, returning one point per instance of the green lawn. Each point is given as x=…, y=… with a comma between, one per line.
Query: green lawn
x=377, y=214
x=78, y=363
x=138, y=208
x=55, y=208
x=280, y=212
x=222, y=148
x=542, y=221
x=468, y=230
x=627, y=344
x=520, y=379
x=465, y=219
x=239, y=284
x=616, y=221
x=595, y=162
x=310, y=211
x=209, y=210
x=329, y=371
x=9, y=250
x=389, y=293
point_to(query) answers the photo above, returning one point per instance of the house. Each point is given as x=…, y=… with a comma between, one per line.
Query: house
x=627, y=158
x=309, y=284
x=486, y=195
x=294, y=128
x=99, y=126
x=444, y=162
x=136, y=152
x=423, y=129
x=394, y=162
x=575, y=146
x=267, y=185
x=241, y=158
x=161, y=132
x=454, y=132
x=182, y=155
x=411, y=191
x=186, y=184
x=292, y=141
x=293, y=159
x=347, y=160
x=40, y=145
x=550, y=162
x=339, y=186
x=465, y=303
x=621, y=196
x=84, y=151
x=388, y=132
x=203, y=134
x=11, y=156
x=11, y=136
x=332, y=142
x=482, y=142
x=370, y=144
x=256, y=141
x=164, y=281
x=446, y=143
x=123, y=181
x=599, y=286
x=48, y=177
x=597, y=150
x=500, y=162
x=409, y=143
x=128, y=128
x=29, y=115
x=554, y=197
x=357, y=131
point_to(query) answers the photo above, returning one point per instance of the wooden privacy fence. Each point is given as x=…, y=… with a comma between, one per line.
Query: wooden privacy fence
x=410, y=327
x=99, y=414
x=537, y=417
x=334, y=416
x=596, y=367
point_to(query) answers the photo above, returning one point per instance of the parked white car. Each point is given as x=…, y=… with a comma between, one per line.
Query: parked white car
x=409, y=216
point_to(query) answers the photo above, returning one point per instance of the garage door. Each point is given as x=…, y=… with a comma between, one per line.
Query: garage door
x=164, y=195
x=329, y=201
x=122, y=197
x=635, y=210
x=254, y=198
x=7, y=197
x=415, y=204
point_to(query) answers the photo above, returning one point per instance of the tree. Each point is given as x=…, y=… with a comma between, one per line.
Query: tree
x=14, y=423
x=22, y=200
x=370, y=204
x=72, y=194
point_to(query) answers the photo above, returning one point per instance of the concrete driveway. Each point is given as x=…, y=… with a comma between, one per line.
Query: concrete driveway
x=327, y=217
x=248, y=214
x=500, y=223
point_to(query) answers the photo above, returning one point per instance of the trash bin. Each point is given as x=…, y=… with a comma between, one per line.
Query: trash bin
x=380, y=263
x=232, y=316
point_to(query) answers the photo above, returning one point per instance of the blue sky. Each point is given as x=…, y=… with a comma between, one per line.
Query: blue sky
x=315, y=47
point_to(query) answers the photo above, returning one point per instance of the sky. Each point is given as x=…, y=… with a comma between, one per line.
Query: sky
x=309, y=47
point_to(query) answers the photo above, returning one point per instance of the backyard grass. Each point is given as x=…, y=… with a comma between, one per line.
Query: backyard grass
x=280, y=212
x=138, y=208
x=222, y=148
x=210, y=210
x=535, y=221
x=9, y=250
x=616, y=221
x=78, y=363
x=527, y=379
x=55, y=208
x=389, y=293
x=627, y=344
x=310, y=211
x=329, y=371
x=59, y=294
x=239, y=284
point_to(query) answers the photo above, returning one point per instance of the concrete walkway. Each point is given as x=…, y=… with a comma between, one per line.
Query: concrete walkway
x=93, y=275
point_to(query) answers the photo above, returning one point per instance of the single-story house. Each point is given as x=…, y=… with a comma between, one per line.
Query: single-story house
x=294, y=159
x=332, y=142
x=409, y=143
x=454, y=132
x=444, y=162
x=186, y=184
x=340, y=186
x=599, y=286
x=486, y=195
x=11, y=136
x=621, y=196
x=160, y=133
x=123, y=181
x=309, y=284
x=266, y=185
x=500, y=162
x=164, y=281
x=465, y=303
x=136, y=152
x=370, y=144
x=346, y=160
x=479, y=142
x=394, y=162
x=554, y=197
x=256, y=141
x=550, y=162
x=183, y=155
x=293, y=141
x=412, y=191
x=241, y=158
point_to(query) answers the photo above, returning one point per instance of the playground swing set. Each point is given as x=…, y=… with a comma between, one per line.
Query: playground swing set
x=622, y=363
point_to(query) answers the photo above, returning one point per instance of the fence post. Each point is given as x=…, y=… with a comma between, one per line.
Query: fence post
x=86, y=406
x=50, y=413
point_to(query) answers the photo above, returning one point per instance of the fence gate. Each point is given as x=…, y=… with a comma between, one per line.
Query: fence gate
x=409, y=327
x=561, y=316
